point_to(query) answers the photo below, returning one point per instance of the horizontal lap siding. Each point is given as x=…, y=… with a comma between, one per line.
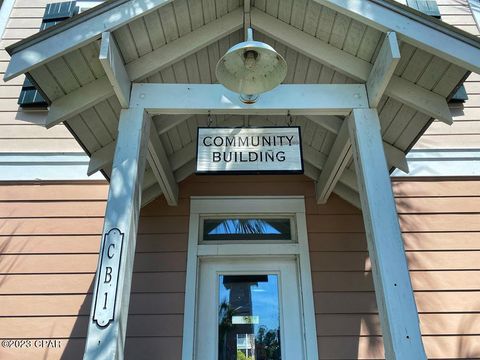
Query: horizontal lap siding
x=465, y=131
x=22, y=131
x=49, y=241
x=49, y=255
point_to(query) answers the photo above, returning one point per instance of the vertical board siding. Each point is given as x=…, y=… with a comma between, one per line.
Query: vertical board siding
x=49, y=240
x=22, y=131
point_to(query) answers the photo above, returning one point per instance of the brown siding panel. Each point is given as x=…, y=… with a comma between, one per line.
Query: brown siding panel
x=49, y=255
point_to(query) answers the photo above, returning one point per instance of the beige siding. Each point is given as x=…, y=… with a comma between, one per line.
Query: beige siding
x=49, y=239
x=23, y=131
x=465, y=132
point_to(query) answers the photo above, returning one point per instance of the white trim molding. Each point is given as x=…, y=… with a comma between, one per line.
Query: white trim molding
x=253, y=206
x=441, y=163
x=45, y=167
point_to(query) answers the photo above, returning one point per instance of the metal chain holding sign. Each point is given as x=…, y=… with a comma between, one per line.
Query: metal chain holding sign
x=209, y=119
x=289, y=119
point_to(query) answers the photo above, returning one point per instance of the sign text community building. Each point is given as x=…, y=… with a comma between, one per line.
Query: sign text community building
x=249, y=150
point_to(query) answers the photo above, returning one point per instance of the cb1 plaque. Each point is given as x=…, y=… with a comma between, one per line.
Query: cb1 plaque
x=107, y=281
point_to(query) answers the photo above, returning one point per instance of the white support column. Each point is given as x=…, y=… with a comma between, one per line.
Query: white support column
x=393, y=289
x=108, y=317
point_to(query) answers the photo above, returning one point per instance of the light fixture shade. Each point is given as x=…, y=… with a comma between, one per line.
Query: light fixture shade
x=251, y=67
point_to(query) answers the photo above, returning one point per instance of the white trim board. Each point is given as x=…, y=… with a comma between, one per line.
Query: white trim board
x=251, y=205
x=444, y=162
x=45, y=166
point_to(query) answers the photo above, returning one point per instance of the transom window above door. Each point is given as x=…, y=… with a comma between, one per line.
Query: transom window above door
x=247, y=228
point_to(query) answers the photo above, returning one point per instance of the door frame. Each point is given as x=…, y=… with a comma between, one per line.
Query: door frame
x=289, y=302
x=293, y=206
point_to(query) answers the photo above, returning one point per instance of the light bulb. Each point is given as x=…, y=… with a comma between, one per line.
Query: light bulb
x=250, y=59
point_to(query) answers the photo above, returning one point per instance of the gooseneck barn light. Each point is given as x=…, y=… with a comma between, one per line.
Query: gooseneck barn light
x=250, y=68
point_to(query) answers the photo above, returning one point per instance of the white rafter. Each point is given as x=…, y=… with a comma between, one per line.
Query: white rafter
x=81, y=31
x=184, y=46
x=112, y=62
x=424, y=34
x=78, y=100
x=402, y=90
x=95, y=92
x=383, y=69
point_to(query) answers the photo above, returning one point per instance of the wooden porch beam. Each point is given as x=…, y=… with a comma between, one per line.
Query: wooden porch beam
x=383, y=68
x=338, y=159
x=112, y=62
x=309, y=99
x=402, y=90
x=395, y=157
x=101, y=158
x=348, y=194
x=154, y=191
x=158, y=160
x=78, y=100
x=343, y=190
x=107, y=324
x=184, y=46
x=393, y=289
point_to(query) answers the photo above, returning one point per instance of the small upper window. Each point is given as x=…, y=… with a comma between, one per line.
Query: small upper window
x=247, y=229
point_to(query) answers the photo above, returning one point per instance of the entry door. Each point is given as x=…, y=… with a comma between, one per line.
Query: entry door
x=249, y=309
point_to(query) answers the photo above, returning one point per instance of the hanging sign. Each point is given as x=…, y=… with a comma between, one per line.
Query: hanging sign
x=249, y=150
x=107, y=280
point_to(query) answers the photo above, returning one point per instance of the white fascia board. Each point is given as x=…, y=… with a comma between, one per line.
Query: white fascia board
x=427, y=35
x=311, y=99
x=87, y=29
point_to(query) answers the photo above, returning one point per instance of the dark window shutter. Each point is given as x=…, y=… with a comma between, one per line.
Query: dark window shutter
x=430, y=7
x=30, y=97
x=460, y=95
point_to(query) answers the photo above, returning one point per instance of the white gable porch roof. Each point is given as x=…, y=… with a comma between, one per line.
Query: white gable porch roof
x=323, y=41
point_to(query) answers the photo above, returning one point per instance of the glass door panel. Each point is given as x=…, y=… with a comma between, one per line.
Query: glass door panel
x=248, y=317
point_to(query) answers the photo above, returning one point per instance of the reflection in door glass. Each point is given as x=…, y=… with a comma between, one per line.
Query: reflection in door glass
x=248, y=318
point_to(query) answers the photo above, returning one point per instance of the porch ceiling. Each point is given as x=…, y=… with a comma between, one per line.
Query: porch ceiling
x=181, y=42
